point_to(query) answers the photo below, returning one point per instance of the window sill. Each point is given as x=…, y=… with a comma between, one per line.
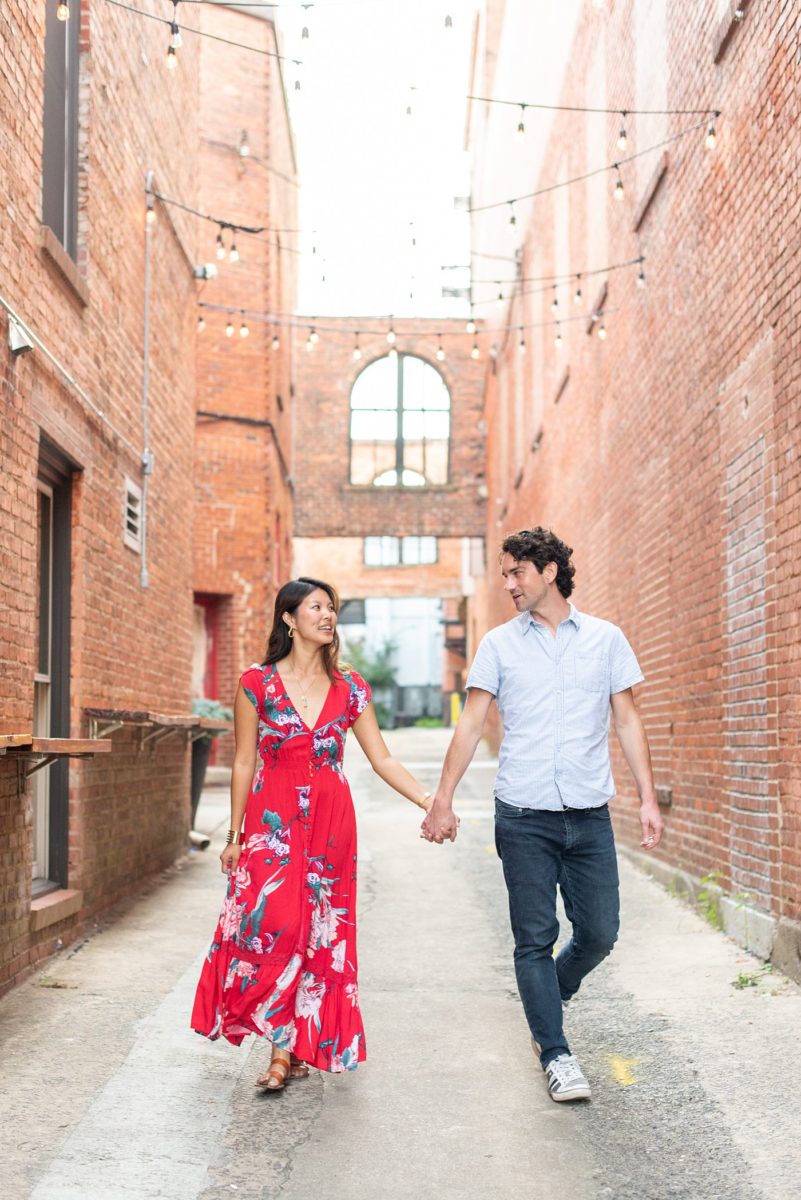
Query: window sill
x=54, y=907
x=400, y=489
x=652, y=187
x=69, y=271
x=727, y=28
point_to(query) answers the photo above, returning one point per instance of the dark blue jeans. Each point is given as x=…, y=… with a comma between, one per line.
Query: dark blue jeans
x=574, y=849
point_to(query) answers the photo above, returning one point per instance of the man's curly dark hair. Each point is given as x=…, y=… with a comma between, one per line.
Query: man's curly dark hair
x=542, y=546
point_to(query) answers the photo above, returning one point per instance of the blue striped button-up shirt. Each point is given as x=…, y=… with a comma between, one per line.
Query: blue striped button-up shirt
x=553, y=696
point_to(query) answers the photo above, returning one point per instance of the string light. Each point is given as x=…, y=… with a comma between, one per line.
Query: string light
x=150, y=214
x=314, y=336
x=243, y=149
x=521, y=127
x=305, y=33
x=243, y=329
x=521, y=345
x=229, y=328
x=172, y=58
x=392, y=337
x=512, y=217
x=201, y=323
x=63, y=12
x=711, y=138
x=440, y=354
x=622, y=138
x=357, y=352
x=577, y=293
x=276, y=342
x=641, y=278
x=449, y=22
x=470, y=327
x=475, y=352
x=233, y=253
x=393, y=353
x=176, y=41
x=558, y=340
x=297, y=85
x=499, y=299
x=220, y=250
x=309, y=345
x=555, y=301
x=619, y=189
x=602, y=332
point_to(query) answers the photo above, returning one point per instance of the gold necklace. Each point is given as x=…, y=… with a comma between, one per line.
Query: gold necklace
x=304, y=699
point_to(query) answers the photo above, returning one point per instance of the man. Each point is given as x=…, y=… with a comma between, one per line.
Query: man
x=554, y=672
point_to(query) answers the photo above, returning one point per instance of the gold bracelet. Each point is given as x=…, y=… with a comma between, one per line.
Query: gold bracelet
x=234, y=837
x=426, y=796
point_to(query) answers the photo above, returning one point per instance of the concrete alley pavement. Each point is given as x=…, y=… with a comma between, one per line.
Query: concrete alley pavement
x=107, y=1094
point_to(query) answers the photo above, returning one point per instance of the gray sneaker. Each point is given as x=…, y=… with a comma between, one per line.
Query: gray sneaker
x=565, y=1080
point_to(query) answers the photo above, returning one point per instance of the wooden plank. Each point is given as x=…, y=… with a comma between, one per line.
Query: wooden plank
x=212, y=725
x=175, y=722
x=63, y=746
x=9, y=740
x=134, y=716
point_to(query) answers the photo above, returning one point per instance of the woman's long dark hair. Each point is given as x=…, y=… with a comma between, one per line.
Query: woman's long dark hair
x=279, y=643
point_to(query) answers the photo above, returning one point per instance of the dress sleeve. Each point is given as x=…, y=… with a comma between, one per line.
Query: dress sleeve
x=360, y=696
x=252, y=682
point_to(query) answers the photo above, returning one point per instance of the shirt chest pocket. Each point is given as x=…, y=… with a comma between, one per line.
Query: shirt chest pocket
x=591, y=673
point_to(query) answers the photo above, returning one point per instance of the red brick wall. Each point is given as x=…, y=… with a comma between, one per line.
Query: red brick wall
x=669, y=460
x=130, y=645
x=327, y=504
x=242, y=491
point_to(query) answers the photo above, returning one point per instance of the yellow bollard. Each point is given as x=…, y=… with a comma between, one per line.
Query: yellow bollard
x=456, y=707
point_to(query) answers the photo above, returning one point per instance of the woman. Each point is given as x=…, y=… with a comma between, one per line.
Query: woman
x=283, y=960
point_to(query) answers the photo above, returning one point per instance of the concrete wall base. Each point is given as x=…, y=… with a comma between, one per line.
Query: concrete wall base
x=775, y=940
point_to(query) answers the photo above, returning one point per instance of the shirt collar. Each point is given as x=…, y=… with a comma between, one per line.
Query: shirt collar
x=526, y=621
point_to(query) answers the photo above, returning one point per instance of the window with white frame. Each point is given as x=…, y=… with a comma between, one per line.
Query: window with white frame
x=399, y=551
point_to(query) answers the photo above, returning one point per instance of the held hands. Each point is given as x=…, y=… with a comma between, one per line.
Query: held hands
x=229, y=857
x=441, y=823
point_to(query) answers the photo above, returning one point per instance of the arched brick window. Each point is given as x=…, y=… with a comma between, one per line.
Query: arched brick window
x=400, y=417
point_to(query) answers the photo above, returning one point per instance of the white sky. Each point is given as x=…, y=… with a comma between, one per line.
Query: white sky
x=373, y=177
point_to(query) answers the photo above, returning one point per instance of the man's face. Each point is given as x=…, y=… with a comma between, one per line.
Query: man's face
x=524, y=583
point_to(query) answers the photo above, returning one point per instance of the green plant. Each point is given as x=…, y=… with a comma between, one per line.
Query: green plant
x=375, y=665
x=747, y=979
x=708, y=899
x=214, y=711
x=428, y=723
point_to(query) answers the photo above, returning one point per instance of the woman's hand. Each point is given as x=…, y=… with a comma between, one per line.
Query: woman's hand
x=230, y=857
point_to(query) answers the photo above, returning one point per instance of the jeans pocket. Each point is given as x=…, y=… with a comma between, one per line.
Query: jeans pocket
x=503, y=810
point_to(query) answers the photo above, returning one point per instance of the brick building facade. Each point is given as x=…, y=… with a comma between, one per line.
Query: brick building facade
x=666, y=452
x=338, y=506
x=98, y=312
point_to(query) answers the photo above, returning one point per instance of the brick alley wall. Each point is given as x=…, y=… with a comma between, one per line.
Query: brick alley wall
x=667, y=455
x=130, y=645
x=243, y=452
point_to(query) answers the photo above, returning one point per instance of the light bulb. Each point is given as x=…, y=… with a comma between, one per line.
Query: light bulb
x=641, y=279
x=475, y=352
x=357, y=354
x=622, y=140
x=577, y=294
x=710, y=139
x=440, y=355
x=201, y=324
x=512, y=220
x=408, y=110
x=305, y=33
x=172, y=58
x=393, y=353
x=309, y=346
x=176, y=41
x=276, y=342
x=554, y=304
x=150, y=216
x=243, y=330
x=233, y=253
x=521, y=345
x=229, y=329
x=244, y=146
x=602, y=332
x=521, y=128
x=297, y=85
x=63, y=12
x=470, y=327
x=392, y=337
x=220, y=251
x=499, y=300
x=449, y=22
x=619, y=190
x=314, y=336
x=558, y=341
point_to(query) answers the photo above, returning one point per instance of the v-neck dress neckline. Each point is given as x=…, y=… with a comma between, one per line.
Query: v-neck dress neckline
x=318, y=722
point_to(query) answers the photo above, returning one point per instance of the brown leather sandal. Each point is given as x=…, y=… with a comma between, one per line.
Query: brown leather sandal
x=298, y=1069
x=275, y=1077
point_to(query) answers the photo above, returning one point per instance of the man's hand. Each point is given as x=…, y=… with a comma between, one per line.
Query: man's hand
x=441, y=823
x=652, y=824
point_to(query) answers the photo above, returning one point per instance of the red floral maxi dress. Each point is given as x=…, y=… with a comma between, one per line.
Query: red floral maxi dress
x=283, y=960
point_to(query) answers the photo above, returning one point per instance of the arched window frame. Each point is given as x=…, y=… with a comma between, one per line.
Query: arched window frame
x=400, y=462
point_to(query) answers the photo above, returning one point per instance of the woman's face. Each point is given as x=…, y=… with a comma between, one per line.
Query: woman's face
x=315, y=618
